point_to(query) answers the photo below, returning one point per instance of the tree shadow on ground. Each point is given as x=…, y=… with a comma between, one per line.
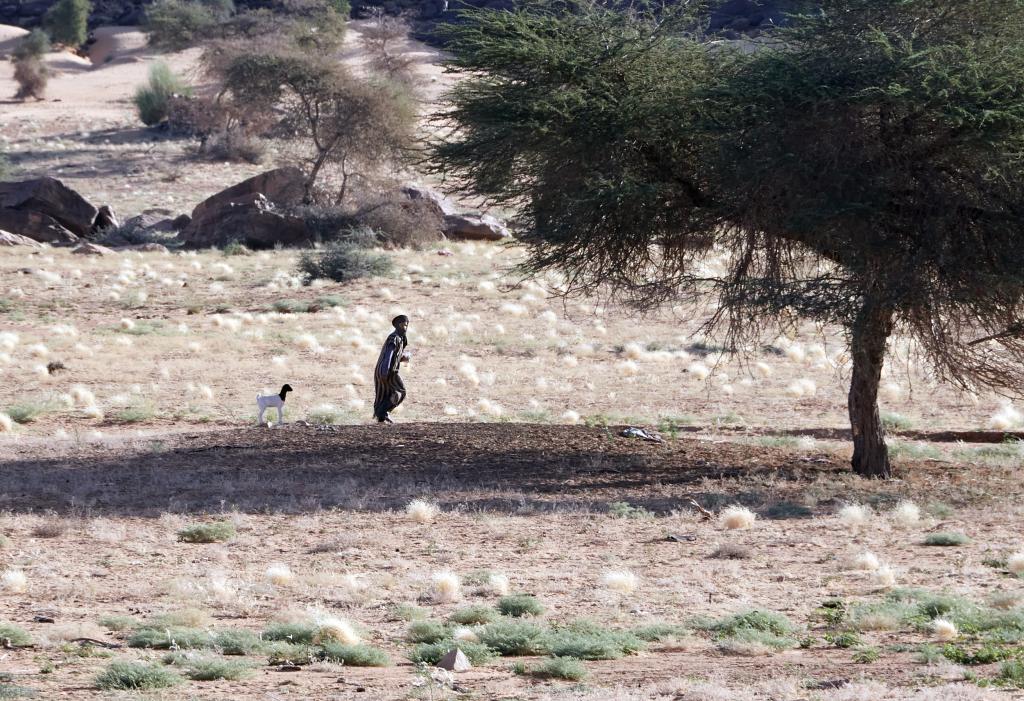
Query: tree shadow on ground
x=516, y=468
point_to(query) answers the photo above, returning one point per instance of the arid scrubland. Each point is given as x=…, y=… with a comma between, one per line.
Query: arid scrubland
x=157, y=543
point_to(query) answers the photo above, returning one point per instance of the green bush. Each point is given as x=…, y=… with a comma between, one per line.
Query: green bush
x=136, y=676
x=946, y=539
x=171, y=638
x=1012, y=673
x=843, y=640
x=427, y=632
x=512, y=638
x=238, y=642
x=291, y=632
x=567, y=668
x=659, y=631
x=29, y=411
x=431, y=653
x=282, y=652
x=13, y=691
x=474, y=615
x=342, y=262
x=67, y=22
x=153, y=99
x=34, y=45
x=13, y=633
x=765, y=621
x=208, y=669
x=519, y=605
x=119, y=623
x=866, y=654
x=214, y=532
x=585, y=640
x=353, y=655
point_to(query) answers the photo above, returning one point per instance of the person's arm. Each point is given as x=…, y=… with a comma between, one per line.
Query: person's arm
x=386, y=364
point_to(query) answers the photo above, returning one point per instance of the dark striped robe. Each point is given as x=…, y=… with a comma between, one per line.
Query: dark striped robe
x=388, y=386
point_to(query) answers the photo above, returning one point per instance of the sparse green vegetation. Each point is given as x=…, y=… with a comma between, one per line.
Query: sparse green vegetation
x=752, y=632
x=946, y=539
x=866, y=654
x=427, y=632
x=474, y=615
x=896, y=422
x=171, y=638
x=843, y=640
x=135, y=414
x=731, y=551
x=431, y=653
x=353, y=655
x=136, y=676
x=914, y=451
x=205, y=668
x=511, y=638
x=67, y=22
x=623, y=509
x=519, y=605
x=1012, y=673
x=118, y=623
x=654, y=632
x=238, y=642
x=343, y=262
x=567, y=668
x=291, y=632
x=283, y=652
x=13, y=691
x=410, y=612
x=15, y=635
x=587, y=641
x=214, y=532
x=28, y=411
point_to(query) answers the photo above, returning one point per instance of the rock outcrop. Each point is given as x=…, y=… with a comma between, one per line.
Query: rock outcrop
x=50, y=197
x=468, y=227
x=9, y=239
x=252, y=220
x=36, y=226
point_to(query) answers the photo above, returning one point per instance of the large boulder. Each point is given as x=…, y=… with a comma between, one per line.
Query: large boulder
x=441, y=204
x=467, y=227
x=53, y=198
x=9, y=239
x=253, y=221
x=284, y=187
x=36, y=226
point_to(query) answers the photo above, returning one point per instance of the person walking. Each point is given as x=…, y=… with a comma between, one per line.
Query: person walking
x=388, y=386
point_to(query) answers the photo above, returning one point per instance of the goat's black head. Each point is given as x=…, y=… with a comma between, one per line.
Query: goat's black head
x=284, y=391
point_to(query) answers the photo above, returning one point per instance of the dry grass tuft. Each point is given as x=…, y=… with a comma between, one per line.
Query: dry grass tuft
x=422, y=511
x=736, y=517
x=14, y=581
x=280, y=575
x=621, y=581
x=944, y=630
x=446, y=587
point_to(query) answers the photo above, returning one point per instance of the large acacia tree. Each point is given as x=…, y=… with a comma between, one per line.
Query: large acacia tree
x=863, y=167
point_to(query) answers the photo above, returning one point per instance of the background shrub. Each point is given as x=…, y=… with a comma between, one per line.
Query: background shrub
x=123, y=675
x=178, y=24
x=342, y=262
x=67, y=22
x=401, y=222
x=153, y=99
x=35, y=44
x=518, y=605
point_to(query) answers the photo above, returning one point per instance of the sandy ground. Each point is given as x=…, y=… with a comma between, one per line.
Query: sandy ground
x=512, y=426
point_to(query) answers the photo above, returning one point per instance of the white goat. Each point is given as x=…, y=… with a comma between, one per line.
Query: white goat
x=263, y=401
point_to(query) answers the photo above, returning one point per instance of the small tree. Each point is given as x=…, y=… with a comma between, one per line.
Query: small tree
x=67, y=21
x=35, y=45
x=360, y=127
x=865, y=169
x=383, y=40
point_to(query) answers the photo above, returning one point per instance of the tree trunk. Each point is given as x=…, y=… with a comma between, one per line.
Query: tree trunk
x=867, y=348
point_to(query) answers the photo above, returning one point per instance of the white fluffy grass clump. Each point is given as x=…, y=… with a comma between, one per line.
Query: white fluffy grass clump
x=699, y=370
x=446, y=587
x=628, y=368
x=634, y=351
x=513, y=309
x=803, y=387
x=422, y=511
x=335, y=630
x=127, y=324
x=14, y=581
x=944, y=630
x=280, y=574
x=906, y=514
x=83, y=396
x=1015, y=563
x=93, y=411
x=854, y=515
x=571, y=417
x=622, y=581
x=570, y=361
x=6, y=423
x=465, y=635
x=309, y=342
x=8, y=340
x=884, y=577
x=763, y=369
x=737, y=516
x=866, y=561
x=468, y=372
x=891, y=391
x=489, y=407
x=499, y=584
x=38, y=350
x=1006, y=418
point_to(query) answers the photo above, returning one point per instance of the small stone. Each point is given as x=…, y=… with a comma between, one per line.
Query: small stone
x=91, y=249
x=455, y=661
